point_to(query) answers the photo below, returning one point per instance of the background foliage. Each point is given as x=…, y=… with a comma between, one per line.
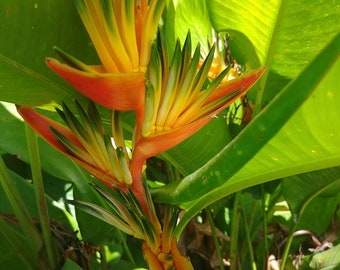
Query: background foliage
x=294, y=137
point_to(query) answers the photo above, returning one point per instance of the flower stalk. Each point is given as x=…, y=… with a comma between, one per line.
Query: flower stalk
x=40, y=195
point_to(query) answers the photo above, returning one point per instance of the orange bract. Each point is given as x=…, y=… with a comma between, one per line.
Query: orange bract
x=119, y=91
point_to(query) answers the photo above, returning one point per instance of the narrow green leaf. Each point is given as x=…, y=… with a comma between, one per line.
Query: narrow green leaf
x=73, y=62
x=33, y=28
x=19, y=209
x=103, y=214
x=39, y=190
x=17, y=244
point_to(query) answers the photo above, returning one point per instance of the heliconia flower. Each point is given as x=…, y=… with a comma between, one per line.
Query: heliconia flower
x=122, y=33
x=179, y=101
x=169, y=260
x=125, y=213
x=86, y=142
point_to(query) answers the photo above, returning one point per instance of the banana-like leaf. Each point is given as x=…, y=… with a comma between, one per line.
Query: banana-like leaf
x=28, y=31
x=326, y=260
x=313, y=198
x=282, y=35
x=298, y=189
x=286, y=34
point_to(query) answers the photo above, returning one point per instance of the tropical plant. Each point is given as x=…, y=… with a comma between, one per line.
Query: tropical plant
x=194, y=133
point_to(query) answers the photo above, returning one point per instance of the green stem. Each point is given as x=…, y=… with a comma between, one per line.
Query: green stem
x=127, y=250
x=235, y=222
x=264, y=222
x=249, y=222
x=287, y=247
x=248, y=239
x=214, y=234
x=39, y=190
x=17, y=244
x=30, y=231
x=103, y=260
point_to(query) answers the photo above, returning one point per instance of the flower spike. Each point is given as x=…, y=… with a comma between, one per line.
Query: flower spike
x=122, y=33
x=124, y=212
x=180, y=100
x=85, y=141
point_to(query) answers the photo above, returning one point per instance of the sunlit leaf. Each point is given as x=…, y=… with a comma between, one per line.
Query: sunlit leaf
x=279, y=29
x=328, y=259
x=313, y=198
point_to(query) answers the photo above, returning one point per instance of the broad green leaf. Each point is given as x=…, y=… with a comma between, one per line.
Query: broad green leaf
x=215, y=136
x=256, y=21
x=192, y=15
x=297, y=189
x=313, y=197
x=71, y=265
x=29, y=30
x=307, y=142
x=318, y=214
x=303, y=29
x=286, y=34
x=328, y=259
